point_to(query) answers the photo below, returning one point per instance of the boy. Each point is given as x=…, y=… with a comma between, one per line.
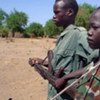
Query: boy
x=90, y=90
x=71, y=51
x=94, y=42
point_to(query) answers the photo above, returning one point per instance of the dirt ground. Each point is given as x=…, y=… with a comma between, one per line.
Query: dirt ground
x=18, y=80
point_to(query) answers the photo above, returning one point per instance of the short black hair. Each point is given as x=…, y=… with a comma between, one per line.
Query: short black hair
x=95, y=11
x=98, y=8
x=70, y=4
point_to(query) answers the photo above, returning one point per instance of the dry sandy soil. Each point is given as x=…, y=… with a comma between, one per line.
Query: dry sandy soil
x=18, y=80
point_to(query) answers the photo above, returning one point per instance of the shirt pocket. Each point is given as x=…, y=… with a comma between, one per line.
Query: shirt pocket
x=66, y=53
x=63, y=58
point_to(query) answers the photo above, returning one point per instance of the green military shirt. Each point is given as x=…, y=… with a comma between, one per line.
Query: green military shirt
x=71, y=45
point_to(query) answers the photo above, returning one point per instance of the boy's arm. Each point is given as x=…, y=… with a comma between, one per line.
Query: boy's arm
x=74, y=74
x=45, y=62
x=56, y=81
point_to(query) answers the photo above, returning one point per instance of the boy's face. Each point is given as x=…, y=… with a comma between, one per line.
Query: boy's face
x=60, y=17
x=94, y=31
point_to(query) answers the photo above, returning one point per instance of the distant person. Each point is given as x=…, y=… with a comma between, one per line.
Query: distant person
x=70, y=53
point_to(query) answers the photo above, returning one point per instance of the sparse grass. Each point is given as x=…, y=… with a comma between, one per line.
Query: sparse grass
x=18, y=80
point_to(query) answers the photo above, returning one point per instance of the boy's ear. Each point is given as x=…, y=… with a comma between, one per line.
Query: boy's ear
x=69, y=12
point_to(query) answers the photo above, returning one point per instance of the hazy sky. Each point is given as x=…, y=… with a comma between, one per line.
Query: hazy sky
x=37, y=10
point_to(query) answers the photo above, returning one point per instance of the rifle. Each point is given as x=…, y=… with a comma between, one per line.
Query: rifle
x=97, y=66
x=46, y=74
x=50, y=57
x=52, y=79
x=49, y=75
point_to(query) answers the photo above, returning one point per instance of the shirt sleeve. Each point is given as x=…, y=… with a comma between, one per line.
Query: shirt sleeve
x=83, y=48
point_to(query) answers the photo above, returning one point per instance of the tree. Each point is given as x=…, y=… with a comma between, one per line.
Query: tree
x=35, y=29
x=3, y=17
x=83, y=15
x=17, y=21
x=51, y=29
x=4, y=31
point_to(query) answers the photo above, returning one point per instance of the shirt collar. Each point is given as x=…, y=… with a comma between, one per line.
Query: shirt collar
x=70, y=27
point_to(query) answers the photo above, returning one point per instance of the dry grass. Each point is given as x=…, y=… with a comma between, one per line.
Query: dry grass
x=18, y=80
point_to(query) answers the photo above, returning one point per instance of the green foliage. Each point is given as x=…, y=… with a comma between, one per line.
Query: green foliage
x=89, y=9
x=80, y=21
x=83, y=15
x=17, y=21
x=3, y=17
x=4, y=31
x=26, y=34
x=35, y=29
x=51, y=29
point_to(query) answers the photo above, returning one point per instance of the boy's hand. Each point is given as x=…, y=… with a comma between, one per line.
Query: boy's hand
x=33, y=61
x=59, y=73
x=60, y=83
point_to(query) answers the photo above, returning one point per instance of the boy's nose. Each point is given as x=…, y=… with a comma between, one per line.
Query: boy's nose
x=90, y=32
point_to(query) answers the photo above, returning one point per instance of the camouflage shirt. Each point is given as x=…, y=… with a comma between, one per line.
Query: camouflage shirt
x=89, y=88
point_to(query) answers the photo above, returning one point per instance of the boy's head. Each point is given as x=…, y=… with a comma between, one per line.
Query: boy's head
x=65, y=12
x=94, y=30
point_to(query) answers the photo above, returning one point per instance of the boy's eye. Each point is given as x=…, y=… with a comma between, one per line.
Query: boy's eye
x=56, y=12
x=95, y=27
